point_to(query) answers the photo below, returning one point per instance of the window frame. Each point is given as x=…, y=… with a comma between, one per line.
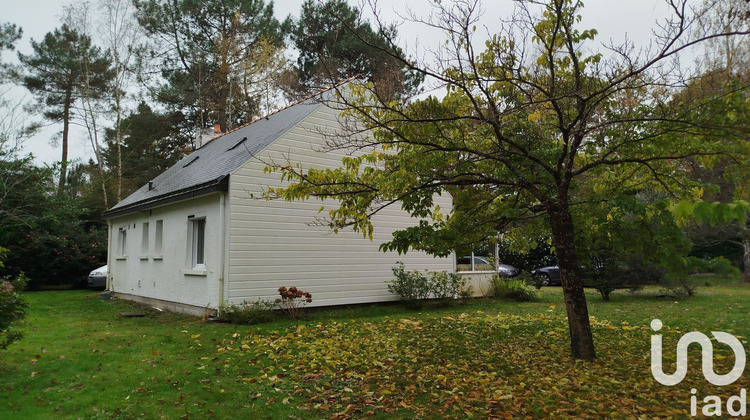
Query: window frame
x=159, y=239
x=145, y=231
x=473, y=269
x=122, y=242
x=196, y=252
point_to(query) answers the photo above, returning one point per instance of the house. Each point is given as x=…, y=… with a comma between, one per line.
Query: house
x=200, y=234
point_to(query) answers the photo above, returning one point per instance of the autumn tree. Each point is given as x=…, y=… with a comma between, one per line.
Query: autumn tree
x=218, y=58
x=64, y=67
x=529, y=122
x=335, y=43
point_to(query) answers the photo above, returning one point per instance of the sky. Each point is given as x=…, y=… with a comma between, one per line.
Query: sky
x=614, y=19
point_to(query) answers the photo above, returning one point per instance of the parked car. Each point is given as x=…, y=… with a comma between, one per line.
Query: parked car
x=548, y=276
x=98, y=277
x=483, y=264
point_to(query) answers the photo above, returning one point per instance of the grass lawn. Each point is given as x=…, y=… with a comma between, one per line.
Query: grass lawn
x=487, y=358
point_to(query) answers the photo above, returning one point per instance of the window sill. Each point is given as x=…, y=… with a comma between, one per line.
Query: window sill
x=158, y=257
x=143, y=257
x=195, y=272
x=476, y=272
x=122, y=258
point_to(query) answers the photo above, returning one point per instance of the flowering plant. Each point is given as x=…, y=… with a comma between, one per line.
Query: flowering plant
x=293, y=300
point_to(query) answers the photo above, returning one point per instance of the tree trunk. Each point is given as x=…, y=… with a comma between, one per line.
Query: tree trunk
x=64, y=161
x=581, y=339
x=118, y=138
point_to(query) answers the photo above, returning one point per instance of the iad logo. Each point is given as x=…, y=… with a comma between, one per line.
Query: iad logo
x=714, y=405
x=707, y=358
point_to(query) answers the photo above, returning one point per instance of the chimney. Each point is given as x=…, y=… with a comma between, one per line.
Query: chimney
x=217, y=128
x=204, y=135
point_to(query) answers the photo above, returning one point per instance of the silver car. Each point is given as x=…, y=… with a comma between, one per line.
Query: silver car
x=98, y=277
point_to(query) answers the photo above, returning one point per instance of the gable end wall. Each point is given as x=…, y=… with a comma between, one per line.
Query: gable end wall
x=272, y=243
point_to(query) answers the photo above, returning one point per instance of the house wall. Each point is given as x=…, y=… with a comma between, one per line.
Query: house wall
x=166, y=277
x=272, y=243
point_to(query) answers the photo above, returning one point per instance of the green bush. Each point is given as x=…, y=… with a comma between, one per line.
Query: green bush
x=614, y=272
x=12, y=305
x=257, y=312
x=414, y=287
x=719, y=266
x=515, y=289
x=445, y=286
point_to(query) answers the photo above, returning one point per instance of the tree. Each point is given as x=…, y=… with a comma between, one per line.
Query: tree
x=726, y=75
x=149, y=145
x=218, y=57
x=123, y=36
x=527, y=126
x=56, y=77
x=334, y=43
x=13, y=127
x=9, y=35
x=53, y=238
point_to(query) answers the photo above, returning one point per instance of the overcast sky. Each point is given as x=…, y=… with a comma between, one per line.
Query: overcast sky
x=614, y=19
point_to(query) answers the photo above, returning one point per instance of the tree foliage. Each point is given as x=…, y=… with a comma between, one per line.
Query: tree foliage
x=64, y=67
x=537, y=131
x=12, y=305
x=218, y=58
x=335, y=43
x=54, y=239
x=150, y=144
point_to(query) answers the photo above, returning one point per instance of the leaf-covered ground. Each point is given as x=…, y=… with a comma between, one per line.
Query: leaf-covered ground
x=486, y=359
x=469, y=364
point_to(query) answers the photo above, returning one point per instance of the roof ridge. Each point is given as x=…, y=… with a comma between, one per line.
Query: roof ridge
x=297, y=102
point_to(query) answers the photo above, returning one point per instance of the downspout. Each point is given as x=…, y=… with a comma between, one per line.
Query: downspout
x=222, y=253
x=109, y=256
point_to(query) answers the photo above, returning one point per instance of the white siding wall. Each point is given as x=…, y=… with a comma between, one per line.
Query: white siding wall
x=169, y=277
x=271, y=243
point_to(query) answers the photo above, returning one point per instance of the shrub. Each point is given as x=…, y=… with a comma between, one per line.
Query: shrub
x=293, y=301
x=516, y=289
x=257, y=312
x=414, y=287
x=622, y=272
x=445, y=286
x=534, y=281
x=410, y=286
x=719, y=266
x=12, y=306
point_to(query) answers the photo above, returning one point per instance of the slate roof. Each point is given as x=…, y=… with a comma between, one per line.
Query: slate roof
x=207, y=169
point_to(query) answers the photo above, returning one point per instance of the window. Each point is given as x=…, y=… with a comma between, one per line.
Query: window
x=158, y=251
x=476, y=259
x=144, y=240
x=197, y=242
x=122, y=242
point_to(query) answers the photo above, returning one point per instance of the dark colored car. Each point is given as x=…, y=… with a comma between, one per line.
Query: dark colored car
x=483, y=264
x=98, y=278
x=548, y=275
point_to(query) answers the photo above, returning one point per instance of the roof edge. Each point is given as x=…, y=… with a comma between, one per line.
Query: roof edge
x=297, y=102
x=217, y=185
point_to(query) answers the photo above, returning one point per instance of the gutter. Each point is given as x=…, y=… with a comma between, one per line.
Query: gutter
x=219, y=184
